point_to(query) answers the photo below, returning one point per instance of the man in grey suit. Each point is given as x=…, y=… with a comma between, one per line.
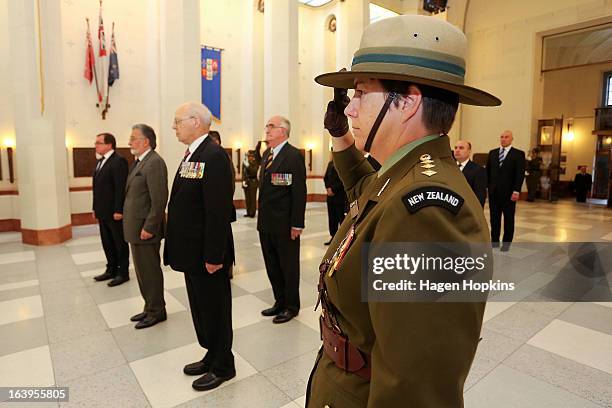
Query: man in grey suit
x=146, y=195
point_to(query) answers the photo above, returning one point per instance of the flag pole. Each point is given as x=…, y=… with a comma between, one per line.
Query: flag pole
x=105, y=111
x=94, y=71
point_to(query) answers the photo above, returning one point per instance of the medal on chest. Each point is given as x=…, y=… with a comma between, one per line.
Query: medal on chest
x=341, y=251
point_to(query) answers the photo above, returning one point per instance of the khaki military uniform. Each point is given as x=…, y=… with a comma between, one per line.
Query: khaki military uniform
x=420, y=353
x=250, y=185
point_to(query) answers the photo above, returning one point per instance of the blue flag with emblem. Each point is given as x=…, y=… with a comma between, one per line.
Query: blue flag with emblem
x=211, y=80
x=113, y=61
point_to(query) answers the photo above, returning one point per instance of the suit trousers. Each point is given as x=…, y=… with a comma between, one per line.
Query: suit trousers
x=150, y=277
x=116, y=249
x=335, y=216
x=497, y=207
x=250, y=198
x=210, y=300
x=282, y=258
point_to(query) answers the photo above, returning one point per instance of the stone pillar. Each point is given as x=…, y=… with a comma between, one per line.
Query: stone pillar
x=352, y=16
x=180, y=75
x=281, y=60
x=38, y=100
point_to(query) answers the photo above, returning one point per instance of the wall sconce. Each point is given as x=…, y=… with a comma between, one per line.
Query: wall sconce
x=238, y=147
x=569, y=136
x=608, y=140
x=310, y=147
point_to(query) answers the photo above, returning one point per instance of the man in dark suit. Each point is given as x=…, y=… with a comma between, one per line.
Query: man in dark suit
x=146, y=194
x=199, y=242
x=337, y=204
x=109, y=180
x=282, y=203
x=474, y=173
x=505, y=173
x=582, y=184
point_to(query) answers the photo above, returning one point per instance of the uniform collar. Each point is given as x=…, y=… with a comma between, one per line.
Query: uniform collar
x=403, y=151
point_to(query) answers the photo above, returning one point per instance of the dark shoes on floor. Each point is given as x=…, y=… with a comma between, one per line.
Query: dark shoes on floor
x=118, y=280
x=197, y=368
x=138, y=317
x=273, y=311
x=105, y=276
x=210, y=381
x=149, y=321
x=284, y=317
x=505, y=247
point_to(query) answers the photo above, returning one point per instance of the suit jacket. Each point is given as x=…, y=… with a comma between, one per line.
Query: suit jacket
x=146, y=195
x=476, y=177
x=200, y=212
x=282, y=206
x=109, y=187
x=509, y=177
x=332, y=180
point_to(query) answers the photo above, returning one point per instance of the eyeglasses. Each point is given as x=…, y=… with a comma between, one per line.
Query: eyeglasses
x=178, y=121
x=100, y=143
x=271, y=126
x=133, y=139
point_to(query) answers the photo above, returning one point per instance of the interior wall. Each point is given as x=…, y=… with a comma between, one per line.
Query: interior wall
x=575, y=93
x=503, y=58
x=7, y=119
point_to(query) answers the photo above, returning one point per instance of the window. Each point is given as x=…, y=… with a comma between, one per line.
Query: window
x=607, y=89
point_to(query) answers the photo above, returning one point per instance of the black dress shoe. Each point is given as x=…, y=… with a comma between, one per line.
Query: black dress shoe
x=150, y=321
x=118, y=280
x=210, y=381
x=197, y=368
x=105, y=276
x=138, y=317
x=284, y=317
x=273, y=311
x=505, y=247
x=495, y=244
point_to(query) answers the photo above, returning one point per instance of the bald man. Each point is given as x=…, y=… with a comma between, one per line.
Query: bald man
x=474, y=173
x=505, y=174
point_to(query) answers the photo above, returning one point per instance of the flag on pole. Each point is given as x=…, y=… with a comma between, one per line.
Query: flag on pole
x=101, y=37
x=113, y=61
x=89, y=58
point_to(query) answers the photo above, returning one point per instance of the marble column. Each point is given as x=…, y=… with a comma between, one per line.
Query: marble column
x=38, y=101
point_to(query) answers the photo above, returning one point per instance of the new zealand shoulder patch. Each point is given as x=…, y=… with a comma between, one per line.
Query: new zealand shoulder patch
x=436, y=196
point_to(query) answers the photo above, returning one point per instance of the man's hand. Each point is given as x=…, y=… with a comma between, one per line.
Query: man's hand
x=335, y=120
x=330, y=192
x=515, y=196
x=117, y=216
x=295, y=232
x=212, y=268
x=144, y=235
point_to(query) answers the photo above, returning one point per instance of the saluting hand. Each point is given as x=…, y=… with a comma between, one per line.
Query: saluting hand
x=117, y=216
x=335, y=120
x=212, y=268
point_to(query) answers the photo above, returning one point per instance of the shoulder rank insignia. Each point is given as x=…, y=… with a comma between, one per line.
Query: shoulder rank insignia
x=433, y=196
x=427, y=164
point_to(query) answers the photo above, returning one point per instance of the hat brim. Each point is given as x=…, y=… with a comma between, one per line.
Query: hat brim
x=467, y=94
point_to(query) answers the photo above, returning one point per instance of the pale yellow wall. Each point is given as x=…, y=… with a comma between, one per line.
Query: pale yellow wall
x=503, y=58
x=575, y=93
x=7, y=128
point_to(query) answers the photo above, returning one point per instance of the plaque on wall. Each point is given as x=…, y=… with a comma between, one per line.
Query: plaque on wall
x=84, y=159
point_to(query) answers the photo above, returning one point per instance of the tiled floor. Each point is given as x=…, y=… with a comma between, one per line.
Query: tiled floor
x=58, y=326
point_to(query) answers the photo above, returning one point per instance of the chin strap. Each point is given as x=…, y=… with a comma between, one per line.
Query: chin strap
x=390, y=98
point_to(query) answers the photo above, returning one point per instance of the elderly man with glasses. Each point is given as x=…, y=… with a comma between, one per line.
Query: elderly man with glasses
x=282, y=203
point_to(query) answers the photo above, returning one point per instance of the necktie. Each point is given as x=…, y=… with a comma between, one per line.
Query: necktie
x=187, y=153
x=99, y=165
x=134, y=165
x=270, y=159
x=502, y=155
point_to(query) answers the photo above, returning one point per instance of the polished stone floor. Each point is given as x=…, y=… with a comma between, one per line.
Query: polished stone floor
x=58, y=326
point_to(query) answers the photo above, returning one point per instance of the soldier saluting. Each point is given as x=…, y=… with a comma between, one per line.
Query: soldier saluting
x=408, y=77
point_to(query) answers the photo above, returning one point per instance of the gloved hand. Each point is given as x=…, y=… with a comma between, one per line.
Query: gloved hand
x=335, y=120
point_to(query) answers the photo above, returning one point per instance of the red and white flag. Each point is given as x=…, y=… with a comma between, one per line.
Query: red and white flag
x=101, y=37
x=89, y=58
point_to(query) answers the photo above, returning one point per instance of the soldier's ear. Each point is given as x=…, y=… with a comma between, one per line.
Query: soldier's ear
x=410, y=103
